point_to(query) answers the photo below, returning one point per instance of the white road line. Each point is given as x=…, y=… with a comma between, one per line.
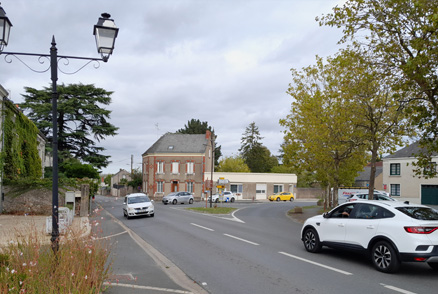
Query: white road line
x=202, y=227
x=316, y=263
x=110, y=236
x=147, y=288
x=240, y=239
x=397, y=289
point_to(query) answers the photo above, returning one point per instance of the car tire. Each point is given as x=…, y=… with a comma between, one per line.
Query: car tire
x=232, y=200
x=174, y=201
x=311, y=241
x=278, y=199
x=384, y=257
x=291, y=199
x=217, y=200
x=165, y=203
x=127, y=216
x=433, y=265
x=191, y=201
x=152, y=215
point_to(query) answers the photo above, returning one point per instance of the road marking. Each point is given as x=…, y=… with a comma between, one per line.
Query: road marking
x=205, y=228
x=240, y=239
x=146, y=288
x=110, y=236
x=316, y=263
x=397, y=289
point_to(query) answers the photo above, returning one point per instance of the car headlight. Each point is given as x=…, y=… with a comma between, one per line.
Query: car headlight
x=131, y=209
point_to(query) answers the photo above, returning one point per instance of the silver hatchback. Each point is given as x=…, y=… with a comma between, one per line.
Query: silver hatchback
x=178, y=197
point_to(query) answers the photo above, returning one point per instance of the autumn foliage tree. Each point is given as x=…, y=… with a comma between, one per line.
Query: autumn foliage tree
x=403, y=37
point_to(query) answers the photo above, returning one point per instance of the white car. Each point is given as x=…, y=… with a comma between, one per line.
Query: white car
x=390, y=232
x=228, y=196
x=137, y=204
x=364, y=196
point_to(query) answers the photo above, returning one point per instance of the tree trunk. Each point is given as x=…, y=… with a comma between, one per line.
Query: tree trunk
x=373, y=170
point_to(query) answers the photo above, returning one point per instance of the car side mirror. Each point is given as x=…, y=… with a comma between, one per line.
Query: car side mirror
x=325, y=215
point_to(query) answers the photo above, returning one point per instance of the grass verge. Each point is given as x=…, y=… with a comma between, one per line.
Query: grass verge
x=213, y=210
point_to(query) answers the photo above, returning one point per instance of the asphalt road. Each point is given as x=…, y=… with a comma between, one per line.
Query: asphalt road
x=258, y=250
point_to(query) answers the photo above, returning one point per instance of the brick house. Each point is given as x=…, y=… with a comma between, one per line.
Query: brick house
x=178, y=162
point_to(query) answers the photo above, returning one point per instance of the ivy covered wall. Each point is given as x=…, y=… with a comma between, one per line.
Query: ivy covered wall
x=20, y=150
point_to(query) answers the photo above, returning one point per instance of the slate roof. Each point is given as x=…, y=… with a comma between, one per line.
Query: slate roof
x=365, y=175
x=409, y=151
x=182, y=143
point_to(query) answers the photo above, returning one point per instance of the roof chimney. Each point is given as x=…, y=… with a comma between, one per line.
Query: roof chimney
x=208, y=135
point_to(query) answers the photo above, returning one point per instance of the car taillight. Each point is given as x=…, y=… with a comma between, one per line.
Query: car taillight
x=420, y=230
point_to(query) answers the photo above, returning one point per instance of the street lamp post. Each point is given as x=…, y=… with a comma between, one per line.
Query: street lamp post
x=105, y=32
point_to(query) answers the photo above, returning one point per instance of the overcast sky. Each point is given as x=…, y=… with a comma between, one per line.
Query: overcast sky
x=226, y=62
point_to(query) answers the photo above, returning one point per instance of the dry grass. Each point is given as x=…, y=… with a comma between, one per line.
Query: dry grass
x=30, y=266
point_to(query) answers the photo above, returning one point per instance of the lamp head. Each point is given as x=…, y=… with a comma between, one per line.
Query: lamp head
x=5, y=28
x=106, y=33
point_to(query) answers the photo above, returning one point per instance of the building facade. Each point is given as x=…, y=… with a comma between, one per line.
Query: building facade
x=178, y=162
x=400, y=180
x=255, y=186
x=118, y=183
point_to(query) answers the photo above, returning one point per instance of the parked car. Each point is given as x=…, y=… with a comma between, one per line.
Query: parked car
x=285, y=196
x=390, y=232
x=137, y=204
x=364, y=196
x=228, y=196
x=178, y=197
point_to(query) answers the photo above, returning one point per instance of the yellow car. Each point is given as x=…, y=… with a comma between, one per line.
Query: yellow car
x=285, y=196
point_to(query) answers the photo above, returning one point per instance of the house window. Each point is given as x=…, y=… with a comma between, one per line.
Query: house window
x=175, y=167
x=160, y=187
x=430, y=169
x=395, y=189
x=160, y=167
x=236, y=188
x=278, y=188
x=394, y=169
x=190, y=168
x=190, y=187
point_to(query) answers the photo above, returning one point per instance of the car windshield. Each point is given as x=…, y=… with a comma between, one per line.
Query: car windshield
x=171, y=194
x=420, y=213
x=138, y=199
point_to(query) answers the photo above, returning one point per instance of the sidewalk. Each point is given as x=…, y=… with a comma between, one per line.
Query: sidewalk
x=19, y=227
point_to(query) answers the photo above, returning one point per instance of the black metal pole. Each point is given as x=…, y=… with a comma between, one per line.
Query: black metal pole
x=54, y=78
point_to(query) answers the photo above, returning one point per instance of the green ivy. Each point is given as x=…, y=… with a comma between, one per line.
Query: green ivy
x=19, y=157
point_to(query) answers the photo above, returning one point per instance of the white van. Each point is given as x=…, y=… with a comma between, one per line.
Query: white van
x=137, y=204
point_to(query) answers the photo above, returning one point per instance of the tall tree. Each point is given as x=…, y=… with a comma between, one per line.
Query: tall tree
x=195, y=126
x=256, y=156
x=81, y=120
x=378, y=109
x=319, y=135
x=404, y=36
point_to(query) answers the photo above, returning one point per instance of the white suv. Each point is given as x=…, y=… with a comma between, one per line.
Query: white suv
x=391, y=232
x=137, y=204
x=228, y=196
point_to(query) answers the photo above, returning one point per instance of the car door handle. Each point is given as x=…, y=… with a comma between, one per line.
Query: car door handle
x=341, y=225
x=370, y=227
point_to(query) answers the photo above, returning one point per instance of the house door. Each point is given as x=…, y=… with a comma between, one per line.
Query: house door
x=429, y=194
x=175, y=186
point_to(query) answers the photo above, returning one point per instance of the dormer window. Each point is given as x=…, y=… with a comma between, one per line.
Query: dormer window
x=170, y=147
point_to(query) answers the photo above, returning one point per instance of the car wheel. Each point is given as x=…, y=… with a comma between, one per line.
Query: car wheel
x=278, y=199
x=311, y=241
x=152, y=215
x=433, y=265
x=232, y=200
x=127, y=216
x=217, y=200
x=292, y=199
x=174, y=201
x=190, y=201
x=165, y=203
x=384, y=257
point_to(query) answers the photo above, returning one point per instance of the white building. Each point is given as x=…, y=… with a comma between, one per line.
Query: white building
x=401, y=182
